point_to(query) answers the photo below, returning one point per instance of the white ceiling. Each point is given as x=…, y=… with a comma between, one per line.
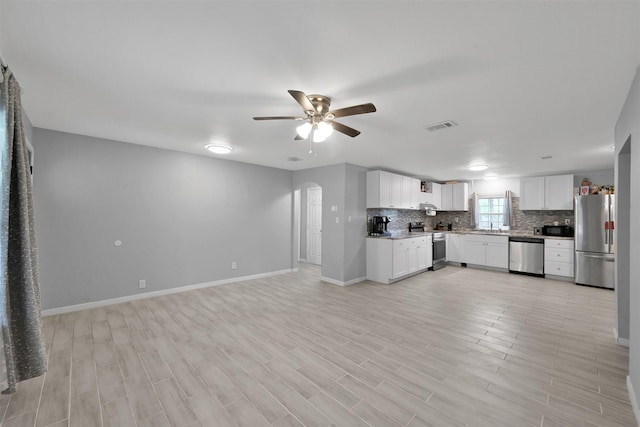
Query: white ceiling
x=522, y=79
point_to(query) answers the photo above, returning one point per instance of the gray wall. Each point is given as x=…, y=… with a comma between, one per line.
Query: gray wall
x=332, y=181
x=182, y=218
x=343, y=242
x=628, y=269
x=355, y=213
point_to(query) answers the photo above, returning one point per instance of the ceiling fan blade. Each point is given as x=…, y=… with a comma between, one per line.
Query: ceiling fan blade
x=279, y=118
x=352, y=111
x=298, y=138
x=344, y=129
x=302, y=99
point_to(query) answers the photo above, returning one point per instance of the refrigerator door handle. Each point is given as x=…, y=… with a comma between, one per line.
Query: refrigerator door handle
x=606, y=259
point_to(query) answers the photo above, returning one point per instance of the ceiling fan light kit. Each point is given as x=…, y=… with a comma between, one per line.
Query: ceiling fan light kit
x=304, y=130
x=319, y=124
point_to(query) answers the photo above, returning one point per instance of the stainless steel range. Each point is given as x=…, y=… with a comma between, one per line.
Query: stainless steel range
x=439, y=251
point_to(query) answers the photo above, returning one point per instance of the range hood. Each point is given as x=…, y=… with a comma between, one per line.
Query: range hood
x=429, y=208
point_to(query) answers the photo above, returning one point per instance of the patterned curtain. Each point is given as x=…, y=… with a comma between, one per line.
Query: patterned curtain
x=20, y=310
x=507, y=210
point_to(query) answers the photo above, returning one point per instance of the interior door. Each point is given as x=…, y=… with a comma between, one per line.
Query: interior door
x=314, y=225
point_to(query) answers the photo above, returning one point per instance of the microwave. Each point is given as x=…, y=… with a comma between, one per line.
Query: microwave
x=557, y=230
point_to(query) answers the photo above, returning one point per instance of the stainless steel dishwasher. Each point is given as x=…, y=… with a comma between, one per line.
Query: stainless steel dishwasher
x=526, y=255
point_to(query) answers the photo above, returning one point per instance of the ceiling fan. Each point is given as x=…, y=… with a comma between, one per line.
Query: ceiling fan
x=318, y=121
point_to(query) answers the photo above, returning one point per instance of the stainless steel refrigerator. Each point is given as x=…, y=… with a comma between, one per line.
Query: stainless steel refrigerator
x=594, y=240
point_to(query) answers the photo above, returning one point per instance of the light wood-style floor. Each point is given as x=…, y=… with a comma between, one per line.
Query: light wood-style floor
x=455, y=347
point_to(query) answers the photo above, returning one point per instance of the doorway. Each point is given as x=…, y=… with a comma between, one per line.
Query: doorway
x=314, y=225
x=307, y=227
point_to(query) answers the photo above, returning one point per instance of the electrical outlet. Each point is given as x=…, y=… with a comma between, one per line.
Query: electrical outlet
x=234, y=265
x=142, y=284
x=567, y=221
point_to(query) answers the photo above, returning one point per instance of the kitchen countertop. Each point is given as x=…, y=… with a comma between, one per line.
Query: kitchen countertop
x=397, y=235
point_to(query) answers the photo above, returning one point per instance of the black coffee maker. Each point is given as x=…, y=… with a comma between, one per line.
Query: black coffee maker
x=379, y=225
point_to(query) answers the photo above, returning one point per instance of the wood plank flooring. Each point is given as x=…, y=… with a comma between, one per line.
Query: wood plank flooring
x=454, y=347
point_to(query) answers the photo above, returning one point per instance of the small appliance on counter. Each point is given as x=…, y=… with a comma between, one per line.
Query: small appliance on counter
x=379, y=226
x=440, y=226
x=416, y=226
x=537, y=231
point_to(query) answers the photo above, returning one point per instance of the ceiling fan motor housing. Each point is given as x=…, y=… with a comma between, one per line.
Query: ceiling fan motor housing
x=321, y=103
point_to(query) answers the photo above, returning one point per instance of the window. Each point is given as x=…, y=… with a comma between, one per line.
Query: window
x=490, y=213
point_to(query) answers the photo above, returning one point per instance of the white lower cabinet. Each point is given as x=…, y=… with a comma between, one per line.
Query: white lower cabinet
x=490, y=251
x=455, y=247
x=391, y=259
x=558, y=257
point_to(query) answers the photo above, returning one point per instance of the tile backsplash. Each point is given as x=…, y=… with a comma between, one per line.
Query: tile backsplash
x=524, y=220
x=400, y=218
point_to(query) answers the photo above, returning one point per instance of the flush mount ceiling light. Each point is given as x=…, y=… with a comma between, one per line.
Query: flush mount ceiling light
x=219, y=148
x=477, y=167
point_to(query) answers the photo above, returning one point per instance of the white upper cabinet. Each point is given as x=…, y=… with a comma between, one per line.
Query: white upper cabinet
x=396, y=192
x=390, y=190
x=532, y=193
x=446, y=203
x=436, y=191
x=410, y=193
x=460, y=196
x=546, y=192
x=454, y=197
x=559, y=192
x=378, y=189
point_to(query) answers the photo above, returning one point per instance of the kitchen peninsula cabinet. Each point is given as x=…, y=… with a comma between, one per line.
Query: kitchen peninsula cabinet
x=546, y=193
x=389, y=260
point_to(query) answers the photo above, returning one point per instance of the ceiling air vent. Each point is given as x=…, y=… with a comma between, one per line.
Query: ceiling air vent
x=442, y=125
x=294, y=159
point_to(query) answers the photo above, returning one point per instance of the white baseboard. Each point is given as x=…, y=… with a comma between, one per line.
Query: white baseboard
x=111, y=301
x=634, y=401
x=624, y=342
x=341, y=283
